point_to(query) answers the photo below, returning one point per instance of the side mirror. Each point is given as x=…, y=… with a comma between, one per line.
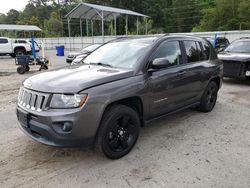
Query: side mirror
x=160, y=63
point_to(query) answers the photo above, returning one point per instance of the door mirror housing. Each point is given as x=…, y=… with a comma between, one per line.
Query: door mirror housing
x=160, y=63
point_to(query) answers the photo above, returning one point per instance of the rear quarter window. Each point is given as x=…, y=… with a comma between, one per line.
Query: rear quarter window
x=3, y=41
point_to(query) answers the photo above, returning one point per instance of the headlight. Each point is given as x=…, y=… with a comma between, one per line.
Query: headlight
x=68, y=101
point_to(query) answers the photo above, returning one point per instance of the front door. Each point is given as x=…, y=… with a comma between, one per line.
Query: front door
x=167, y=86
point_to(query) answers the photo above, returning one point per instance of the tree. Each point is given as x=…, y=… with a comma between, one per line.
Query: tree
x=12, y=16
x=53, y=26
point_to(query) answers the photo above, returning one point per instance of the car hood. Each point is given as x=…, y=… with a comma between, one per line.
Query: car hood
x=229, y=56
x=73, y=79
x=78, y=53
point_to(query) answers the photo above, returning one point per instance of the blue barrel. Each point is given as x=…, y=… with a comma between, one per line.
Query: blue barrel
x=60, y=50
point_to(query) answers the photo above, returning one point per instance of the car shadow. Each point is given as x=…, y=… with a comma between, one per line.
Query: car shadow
x=236, y=81
x=161, y=129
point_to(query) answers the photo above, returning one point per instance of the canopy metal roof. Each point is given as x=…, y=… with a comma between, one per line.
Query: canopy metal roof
x=19, y=27
x=94, y=12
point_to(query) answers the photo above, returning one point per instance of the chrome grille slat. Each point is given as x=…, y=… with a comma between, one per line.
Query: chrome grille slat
x=33, y=100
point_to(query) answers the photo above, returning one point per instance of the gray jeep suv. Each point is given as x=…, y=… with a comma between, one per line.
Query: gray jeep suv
x=121, y=86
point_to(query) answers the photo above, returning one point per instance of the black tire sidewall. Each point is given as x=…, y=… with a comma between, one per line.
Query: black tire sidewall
x=106, y=124
x=203, y=104
x=21, y=51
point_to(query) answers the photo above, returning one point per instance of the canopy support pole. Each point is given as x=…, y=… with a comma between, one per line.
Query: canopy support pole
x=81, y=30
x=126, y=24
x=87, y=27
x=137, y=26
x=92, y=31
x=102, y=28
x=115, y=25
x=146, y=26
x=69, y=34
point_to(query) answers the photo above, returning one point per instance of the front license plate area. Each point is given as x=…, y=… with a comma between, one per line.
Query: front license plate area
x=247, y=73
x=23, y=117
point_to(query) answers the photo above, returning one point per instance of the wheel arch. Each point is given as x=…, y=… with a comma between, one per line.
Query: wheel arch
x=217, y=80
x=134, y=102
x=19, y=48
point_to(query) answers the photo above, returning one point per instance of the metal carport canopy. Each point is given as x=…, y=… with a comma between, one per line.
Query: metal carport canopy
x=8, y=27
x=98, y=12
x=93, y=12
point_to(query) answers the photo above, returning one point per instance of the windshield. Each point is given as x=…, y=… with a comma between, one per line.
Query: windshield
x=239, y=46
x=122, y=54
x=91, y=48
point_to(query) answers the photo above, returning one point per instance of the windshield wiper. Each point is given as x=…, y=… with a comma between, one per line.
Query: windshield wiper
x=102, y=64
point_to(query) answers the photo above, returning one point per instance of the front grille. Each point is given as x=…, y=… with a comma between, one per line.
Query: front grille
x=232, y=68
x=33, y=100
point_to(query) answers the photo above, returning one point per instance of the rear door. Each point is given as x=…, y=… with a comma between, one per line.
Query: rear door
x=196, y=70
x=5, y=46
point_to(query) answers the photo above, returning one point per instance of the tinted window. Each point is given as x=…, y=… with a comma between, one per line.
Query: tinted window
x=3, y=41
x=22, y=41
x=171, y=51
x=193, y=53
x=206, y=49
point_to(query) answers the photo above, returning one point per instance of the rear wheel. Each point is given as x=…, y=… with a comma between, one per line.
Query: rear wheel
x=209, y=97
x=118, y=132
x=19, y=52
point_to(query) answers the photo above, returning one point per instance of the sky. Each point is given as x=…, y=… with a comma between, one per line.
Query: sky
x=6, y=5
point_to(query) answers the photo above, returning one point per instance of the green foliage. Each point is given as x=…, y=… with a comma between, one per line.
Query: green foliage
x=54, y=26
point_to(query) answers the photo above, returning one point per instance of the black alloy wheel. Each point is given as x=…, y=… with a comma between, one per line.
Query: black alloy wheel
x=209, y=97
x=118, y=132
x=121, y=134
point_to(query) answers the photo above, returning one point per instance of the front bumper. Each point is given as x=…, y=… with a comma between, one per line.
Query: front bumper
x=233, y=69
x=46, y=126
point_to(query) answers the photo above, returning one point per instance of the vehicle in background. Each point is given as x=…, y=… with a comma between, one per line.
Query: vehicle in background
x=221, y=43
x=83, y=53
x=236, y=59
x=10, y=47
x=25, y=41
x=121, y=86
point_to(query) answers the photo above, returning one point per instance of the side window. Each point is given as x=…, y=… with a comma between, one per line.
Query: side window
x=3, y=41
x=22, y=41
x=206, y=49
x=170, y=50
x=193, y=54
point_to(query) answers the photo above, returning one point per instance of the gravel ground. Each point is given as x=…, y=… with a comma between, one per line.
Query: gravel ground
x=188, y=149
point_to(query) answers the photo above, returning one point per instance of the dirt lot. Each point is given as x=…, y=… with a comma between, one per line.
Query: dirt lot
x=188, y=149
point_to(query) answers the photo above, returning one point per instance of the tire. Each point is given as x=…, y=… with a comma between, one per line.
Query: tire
x=209, y=97
x=27, y=68
x=118, y=132
x=19, y=52
x=21, y=70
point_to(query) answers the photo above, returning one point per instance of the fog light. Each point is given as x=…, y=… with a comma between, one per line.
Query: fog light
x=67, y=126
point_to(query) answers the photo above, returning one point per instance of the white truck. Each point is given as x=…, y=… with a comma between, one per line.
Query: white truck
x=13, y=48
